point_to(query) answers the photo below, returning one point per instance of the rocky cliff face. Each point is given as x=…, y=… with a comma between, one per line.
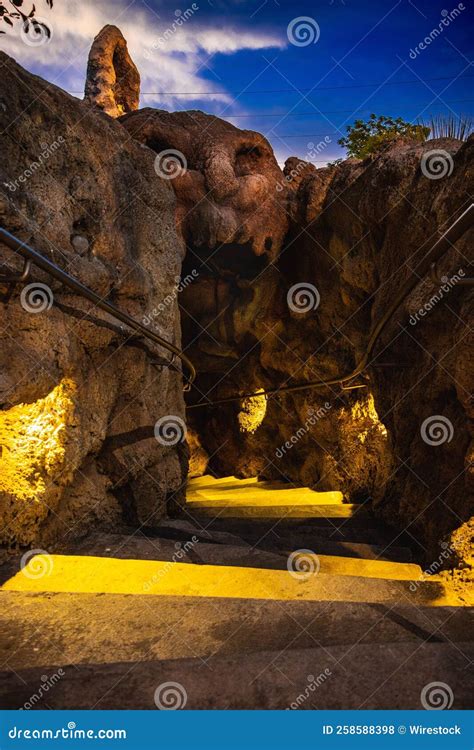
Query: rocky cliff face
x=113, y=80
x=369, y=225
x=288, y=275
x=357, y=231
x=284, y=277
x=225, y=179
x=78, y=399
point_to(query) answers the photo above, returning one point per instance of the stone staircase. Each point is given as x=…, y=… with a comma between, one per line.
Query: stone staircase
x=260, y=596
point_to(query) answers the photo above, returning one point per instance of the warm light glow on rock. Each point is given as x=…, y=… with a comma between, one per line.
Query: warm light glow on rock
x=33, y=451
x=365, y=412
x=252, y=411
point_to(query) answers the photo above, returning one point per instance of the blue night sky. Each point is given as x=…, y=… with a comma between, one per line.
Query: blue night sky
x=240, y=54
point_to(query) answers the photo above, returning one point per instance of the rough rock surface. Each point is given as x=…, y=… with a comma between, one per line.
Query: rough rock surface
x=113, y=80
x=356, y=233
x=347, y=236
x=78, y=401
x=225, y=179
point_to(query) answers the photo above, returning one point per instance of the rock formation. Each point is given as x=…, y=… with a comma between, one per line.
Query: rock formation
x=355, y=235
x=113, y=80
x=225, y=179
x=284, y=276
x=78, y=399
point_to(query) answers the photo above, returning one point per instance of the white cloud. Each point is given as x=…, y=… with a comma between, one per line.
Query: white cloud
x=170, y=58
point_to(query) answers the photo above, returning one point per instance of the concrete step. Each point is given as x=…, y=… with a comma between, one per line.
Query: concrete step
x=298, y=531
x=43, y=629
x=103, y=575
x=138, y=547
x=186, y=530
x=220, y=508
x=231, y=491
x=344, y=549
x=346, y=542
x=207, y=480
x=362, y=677
x=182, y=530
x=209, y=554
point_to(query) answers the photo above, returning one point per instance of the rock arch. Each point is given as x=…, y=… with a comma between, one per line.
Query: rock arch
x=113, y=80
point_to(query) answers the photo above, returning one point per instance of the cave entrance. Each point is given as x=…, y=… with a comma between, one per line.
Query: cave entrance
x=216, y=291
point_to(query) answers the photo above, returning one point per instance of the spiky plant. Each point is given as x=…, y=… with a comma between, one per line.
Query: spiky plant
x=450, y=126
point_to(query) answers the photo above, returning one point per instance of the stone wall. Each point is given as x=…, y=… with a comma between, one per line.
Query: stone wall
x=286, y=275
x=78, y=396
x=357, y=231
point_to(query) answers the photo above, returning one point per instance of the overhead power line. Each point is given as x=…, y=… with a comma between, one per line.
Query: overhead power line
x=296, y=90
x=340, y=111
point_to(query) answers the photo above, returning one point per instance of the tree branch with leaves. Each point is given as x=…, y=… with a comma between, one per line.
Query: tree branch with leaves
x=13, y=12
x=373, y=135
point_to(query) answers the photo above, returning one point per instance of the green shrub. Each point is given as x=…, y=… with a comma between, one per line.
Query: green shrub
x=371, y=136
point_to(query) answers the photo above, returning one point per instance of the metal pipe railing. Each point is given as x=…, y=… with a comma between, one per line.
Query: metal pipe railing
x=441, y=246
x=35, y=258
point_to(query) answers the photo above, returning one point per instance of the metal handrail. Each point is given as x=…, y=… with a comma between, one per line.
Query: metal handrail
x=32, y=256
x=441, y=246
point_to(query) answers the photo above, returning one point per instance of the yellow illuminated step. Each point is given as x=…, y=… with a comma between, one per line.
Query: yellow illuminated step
x=76, y=574
x=353, y=566
x=330, y=564
x=221, y=509
x=260, y=498
x=209, y=481
x=232, y=491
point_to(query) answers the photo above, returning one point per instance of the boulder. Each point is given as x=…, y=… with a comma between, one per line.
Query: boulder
x=113, y=80
x=79, y=393
x=402, y=440
x=226, y=182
